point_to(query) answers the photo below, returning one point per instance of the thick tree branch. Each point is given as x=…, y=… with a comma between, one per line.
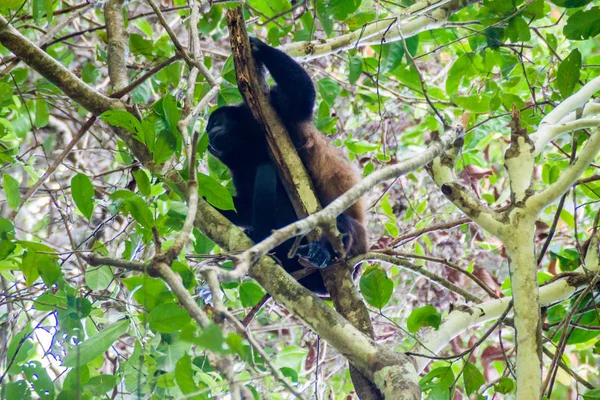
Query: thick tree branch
x=568, y=177
x=52, y=70
x=71, y=85
x=372, y=360
x=563, y=113
x=442, y=172
x=118, y=41
x=464, y=318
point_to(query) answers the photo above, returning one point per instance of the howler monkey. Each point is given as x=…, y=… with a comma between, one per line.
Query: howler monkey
x=261, y=202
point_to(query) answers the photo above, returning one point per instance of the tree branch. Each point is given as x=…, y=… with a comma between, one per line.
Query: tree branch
x=420, y=17
x=52, y=70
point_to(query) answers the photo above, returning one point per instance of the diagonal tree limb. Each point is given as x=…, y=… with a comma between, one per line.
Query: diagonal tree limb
x=55, y=72
x=298, y=185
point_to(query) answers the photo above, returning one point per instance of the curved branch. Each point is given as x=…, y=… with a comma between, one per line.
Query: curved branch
x=461, y=319
x=568, y=177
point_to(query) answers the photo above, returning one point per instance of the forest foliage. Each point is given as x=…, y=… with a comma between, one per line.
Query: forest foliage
x=71, y=186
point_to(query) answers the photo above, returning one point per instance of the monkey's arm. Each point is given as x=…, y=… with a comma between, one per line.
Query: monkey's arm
x=294, y=95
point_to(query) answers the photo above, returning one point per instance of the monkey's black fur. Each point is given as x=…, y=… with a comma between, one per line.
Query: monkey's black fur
x=261, y=202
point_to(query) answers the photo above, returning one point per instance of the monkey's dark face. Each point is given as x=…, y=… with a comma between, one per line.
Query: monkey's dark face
x=233, y=134
x=219, y=130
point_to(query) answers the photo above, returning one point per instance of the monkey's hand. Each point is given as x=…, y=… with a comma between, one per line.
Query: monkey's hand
x=256, y=45
x=260, y=50
x=316, y=253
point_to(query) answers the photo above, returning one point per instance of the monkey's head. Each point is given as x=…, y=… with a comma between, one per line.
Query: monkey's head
x=234, y=135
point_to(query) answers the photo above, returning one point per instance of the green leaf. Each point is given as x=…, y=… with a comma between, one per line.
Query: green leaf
x=202, y=244
x=210, y=20
x=101, y=384
x=550, y=173
x=19, y=349
x=473, y=378
x=392, y=229
x=505, y=385
x=463, y=67
x=361, y=146
x=172, y=113
x=164, y=146
x=271, y=7
x=250, y=294
x=184, y=376
x=121, y=195
x=6, y=4
x=78, y=307
x=11, y=190
x=89, y=73
x=518, y=30
x=29, y=267
x=49, y=8
x=42, y=114
x=123, y=119
x=583, y=24
x=187, y=276
x=140, y=46
x=324, y=15
x=593, y=394
x=99, y=278
x=290, y=373
x=6, y=99
x=412, y=44
x=329, y=90
x=216, y=194
x=571, y=3
x=166, y=380
x=211, y=339
x=166, y=318
x=354, y=69
x=359, y=19
x=50, y=302
x=391, y=54
x=341, y=9
x=591, y=190
x=38, y=9
x=15, y=390
x=139, y=210
x=38, y=377
x=148, y=292
x=82, y=191
x=376, y=287
x=95, y=345
x=236, y=345
x=145, y=27
x=143, y=182
x=478, y=103
x=568, y=73
x=39, y=247
x=441, y=377
x=48, y=268
x=422, y=317
x=291, y=357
